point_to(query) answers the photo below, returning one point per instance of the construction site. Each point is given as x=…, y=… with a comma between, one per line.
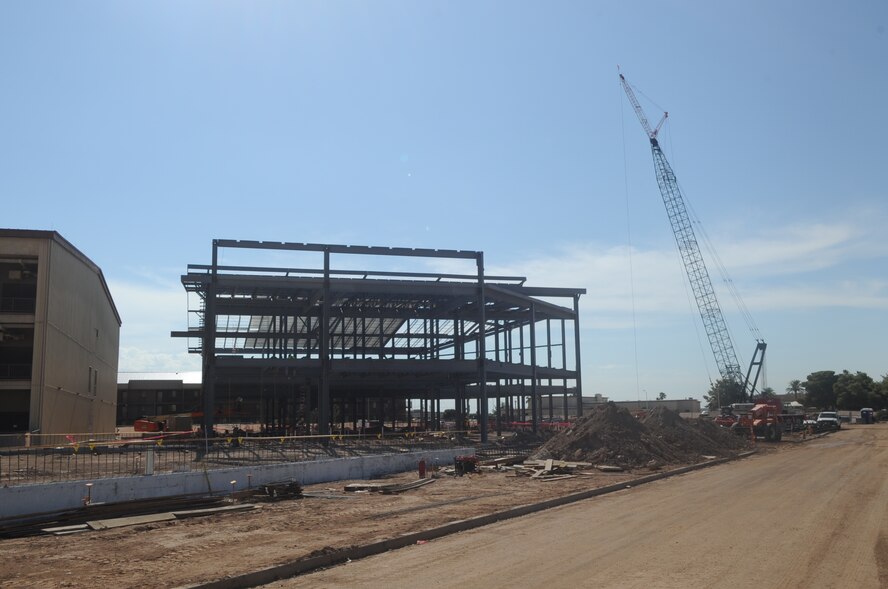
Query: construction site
x=361, y=418
x=250, y=533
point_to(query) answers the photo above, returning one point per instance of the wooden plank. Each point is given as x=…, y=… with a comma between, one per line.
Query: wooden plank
x=214, y=510
x=558, y=463
x=506, y=461
x=71, y=532
x=119, y=522
x=557, y=477
x=352, y=487
x=388, y=487
x=608, y=468
x=57, y=530
x=406, y=487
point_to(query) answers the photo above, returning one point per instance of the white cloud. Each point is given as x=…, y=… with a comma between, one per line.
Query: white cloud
x=772, y=273
x=145, y=359
x=149, y=312
x=799, y=249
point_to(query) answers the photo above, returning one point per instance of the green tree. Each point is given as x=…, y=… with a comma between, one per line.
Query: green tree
x=854, y=391
x=661, y=396
x=819, y=389
x=795, y=387
x=724, y=392
x=880, y=394
x=767, y=393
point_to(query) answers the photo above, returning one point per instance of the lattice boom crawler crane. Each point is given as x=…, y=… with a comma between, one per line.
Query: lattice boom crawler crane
x=698, y=276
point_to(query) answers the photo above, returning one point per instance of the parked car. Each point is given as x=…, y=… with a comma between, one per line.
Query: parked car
x=827, y=420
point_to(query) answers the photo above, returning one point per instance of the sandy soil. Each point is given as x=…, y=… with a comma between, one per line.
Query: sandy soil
x=815, y=517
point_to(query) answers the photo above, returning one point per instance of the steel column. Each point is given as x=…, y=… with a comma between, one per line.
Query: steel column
x=482, y=351
x=579, y=379
x=534, y=409
x=324, y=384
x=209, y=347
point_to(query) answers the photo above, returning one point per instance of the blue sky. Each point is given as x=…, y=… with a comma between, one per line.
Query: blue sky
x=141, y=131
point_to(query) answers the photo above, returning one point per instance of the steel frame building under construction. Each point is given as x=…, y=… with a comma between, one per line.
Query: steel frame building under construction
x=321, y=348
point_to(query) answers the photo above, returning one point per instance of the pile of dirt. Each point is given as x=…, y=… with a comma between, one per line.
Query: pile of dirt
x=611, y=435
x=699, y=437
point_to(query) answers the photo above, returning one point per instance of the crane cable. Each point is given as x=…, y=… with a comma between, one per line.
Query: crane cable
x=629, y=250
x=719, y=265
x=723, y=272
x=683, y=276
x=693, y=309
x=694, y=219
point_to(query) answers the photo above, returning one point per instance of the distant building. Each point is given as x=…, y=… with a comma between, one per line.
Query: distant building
x=59, y=336
x=146, y=394
x=678, y=405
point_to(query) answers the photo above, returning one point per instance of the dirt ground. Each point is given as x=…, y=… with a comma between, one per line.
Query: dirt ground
x=183, y=552
x=815, y=517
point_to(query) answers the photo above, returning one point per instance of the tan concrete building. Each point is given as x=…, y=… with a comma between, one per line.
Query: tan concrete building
x=59, y=337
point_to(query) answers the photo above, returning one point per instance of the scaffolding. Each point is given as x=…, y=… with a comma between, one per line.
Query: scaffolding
x=322, y=349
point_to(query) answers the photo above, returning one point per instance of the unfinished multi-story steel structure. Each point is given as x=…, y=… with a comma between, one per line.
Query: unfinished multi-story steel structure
x=321, y=348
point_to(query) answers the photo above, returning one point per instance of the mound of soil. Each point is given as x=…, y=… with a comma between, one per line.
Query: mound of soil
x=695, y=438
x=611, y=435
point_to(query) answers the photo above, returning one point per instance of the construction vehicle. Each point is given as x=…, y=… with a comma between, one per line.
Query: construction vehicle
x=179, y=422
x=730, y=414
x=697, y=274
x=766, y=418
x=762, y=419
x=828, y=421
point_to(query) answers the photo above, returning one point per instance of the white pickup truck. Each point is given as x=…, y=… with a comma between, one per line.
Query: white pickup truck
x=828, y=420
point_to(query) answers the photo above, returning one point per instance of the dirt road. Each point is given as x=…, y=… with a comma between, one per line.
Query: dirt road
x=815, y=517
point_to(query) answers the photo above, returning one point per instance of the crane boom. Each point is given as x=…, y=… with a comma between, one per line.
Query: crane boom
x=698, y=276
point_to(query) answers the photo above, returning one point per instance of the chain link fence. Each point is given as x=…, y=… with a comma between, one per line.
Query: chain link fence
x=75, y=457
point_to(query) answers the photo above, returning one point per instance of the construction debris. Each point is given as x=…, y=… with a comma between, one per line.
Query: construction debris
x=549, y=470
x=505, y=461
x=284, y=490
